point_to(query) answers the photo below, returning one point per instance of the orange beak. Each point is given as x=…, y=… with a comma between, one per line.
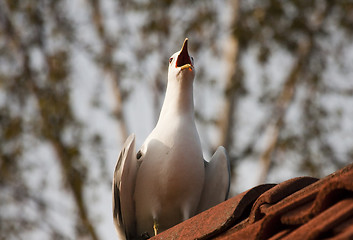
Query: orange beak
x=183, y=60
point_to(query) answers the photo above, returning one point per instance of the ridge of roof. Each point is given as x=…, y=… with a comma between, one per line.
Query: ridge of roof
x=302, y=207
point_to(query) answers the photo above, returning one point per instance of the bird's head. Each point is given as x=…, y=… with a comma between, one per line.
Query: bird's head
x=181, y=65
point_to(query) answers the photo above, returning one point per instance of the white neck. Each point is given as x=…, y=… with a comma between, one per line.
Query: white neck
x=179, y=100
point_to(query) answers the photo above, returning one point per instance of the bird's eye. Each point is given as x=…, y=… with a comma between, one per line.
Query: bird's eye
x=192, y=59
x=170, y=60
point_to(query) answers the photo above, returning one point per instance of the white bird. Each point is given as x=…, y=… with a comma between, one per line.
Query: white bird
x=168, y=181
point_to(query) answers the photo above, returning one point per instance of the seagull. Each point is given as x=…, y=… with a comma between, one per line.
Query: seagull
x=168, y=181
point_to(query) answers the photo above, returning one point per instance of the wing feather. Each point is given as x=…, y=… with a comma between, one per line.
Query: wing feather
x=124, y=179
x=217, y=180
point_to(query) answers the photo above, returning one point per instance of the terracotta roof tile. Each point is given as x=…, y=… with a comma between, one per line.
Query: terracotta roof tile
x=300, y=208
x=324, y=222
x=208, y=224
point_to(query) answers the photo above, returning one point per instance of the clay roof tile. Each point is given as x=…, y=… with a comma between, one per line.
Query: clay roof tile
x=300, y=208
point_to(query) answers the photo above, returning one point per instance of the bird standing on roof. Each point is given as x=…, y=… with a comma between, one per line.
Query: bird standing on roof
x=168, y=181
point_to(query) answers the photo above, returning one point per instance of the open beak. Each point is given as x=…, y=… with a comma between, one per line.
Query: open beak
x=183, y=60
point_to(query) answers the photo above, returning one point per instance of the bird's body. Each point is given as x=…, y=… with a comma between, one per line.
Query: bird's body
x=166, y=194
x=170, y=170
x=170, y=179
x=171, y=161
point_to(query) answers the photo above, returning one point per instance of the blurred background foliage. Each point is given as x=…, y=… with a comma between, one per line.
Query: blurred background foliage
x=274, y=85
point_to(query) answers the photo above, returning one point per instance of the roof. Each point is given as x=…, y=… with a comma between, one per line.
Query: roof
x=300, y=208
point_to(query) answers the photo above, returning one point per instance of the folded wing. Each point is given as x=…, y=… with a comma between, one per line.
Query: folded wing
x=123, y=188
x=217, y=180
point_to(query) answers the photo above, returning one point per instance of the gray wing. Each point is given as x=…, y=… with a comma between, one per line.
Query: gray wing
x=217, y=180
x=124, y=179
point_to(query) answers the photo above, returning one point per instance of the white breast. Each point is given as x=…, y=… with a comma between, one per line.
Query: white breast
x=170, y=179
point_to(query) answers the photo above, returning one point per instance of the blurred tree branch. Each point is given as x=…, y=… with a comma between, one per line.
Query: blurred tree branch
x=233, y=80
x=280, y=109
x=53, y=105
x=306, y=51
x=233, y=88
x=271, y=25
x=105, y=59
